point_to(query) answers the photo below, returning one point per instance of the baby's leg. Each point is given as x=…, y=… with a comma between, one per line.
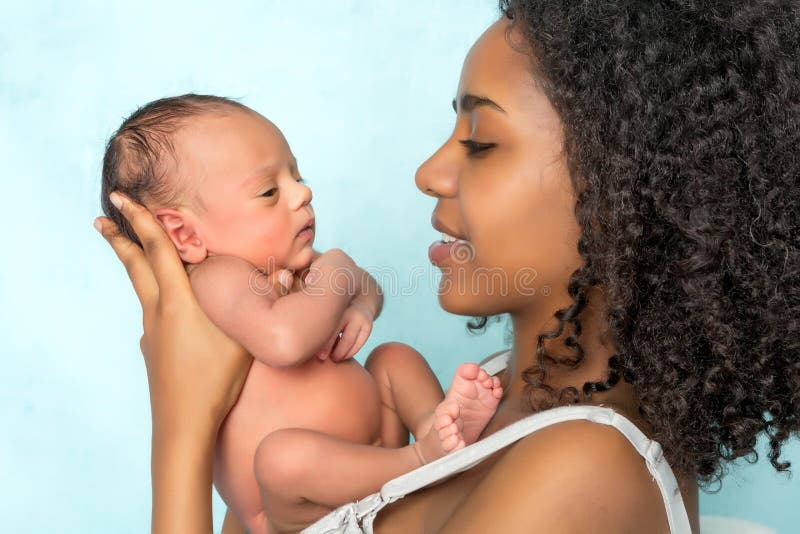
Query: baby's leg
x=477, y=396
x=409, y=392
x=412, y=399
x=304, y=474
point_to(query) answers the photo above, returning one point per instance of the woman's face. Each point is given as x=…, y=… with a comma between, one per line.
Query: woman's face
x=503, y=188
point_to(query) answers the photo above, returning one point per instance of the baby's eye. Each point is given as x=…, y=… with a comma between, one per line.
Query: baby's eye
x=270, y=193
x=301, y=181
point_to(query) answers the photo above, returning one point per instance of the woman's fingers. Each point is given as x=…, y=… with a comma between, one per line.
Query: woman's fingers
x=132, y=257
x=159, y=250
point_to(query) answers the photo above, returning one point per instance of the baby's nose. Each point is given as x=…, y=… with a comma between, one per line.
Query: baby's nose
x=302, y=196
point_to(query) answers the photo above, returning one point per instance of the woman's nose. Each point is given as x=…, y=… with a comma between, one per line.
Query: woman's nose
x=438, y=176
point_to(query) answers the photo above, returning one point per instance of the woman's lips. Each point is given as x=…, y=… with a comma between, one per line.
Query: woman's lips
x=459, y=251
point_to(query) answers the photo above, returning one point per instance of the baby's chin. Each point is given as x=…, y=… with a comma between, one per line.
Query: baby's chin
x=302, y=260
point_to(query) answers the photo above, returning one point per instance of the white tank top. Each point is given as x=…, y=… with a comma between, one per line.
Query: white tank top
x=358, y=517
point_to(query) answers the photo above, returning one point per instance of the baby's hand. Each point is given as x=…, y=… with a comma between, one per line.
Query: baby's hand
x=353, y=331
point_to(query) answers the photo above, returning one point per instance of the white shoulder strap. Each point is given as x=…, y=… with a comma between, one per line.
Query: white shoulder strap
x=496, y=363
x=470, y=456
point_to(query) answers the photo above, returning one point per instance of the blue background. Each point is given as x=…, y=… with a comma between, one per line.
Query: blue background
x=362, y=91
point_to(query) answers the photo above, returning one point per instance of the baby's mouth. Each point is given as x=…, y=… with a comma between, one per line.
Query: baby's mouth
x=307, y=230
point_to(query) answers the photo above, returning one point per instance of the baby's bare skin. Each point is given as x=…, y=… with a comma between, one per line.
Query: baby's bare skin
x=338, y=399
x=303, y=391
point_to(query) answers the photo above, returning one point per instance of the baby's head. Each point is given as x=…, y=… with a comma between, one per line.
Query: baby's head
x=220, y=178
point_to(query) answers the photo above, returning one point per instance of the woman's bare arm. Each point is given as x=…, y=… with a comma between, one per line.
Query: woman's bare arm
x=194, y=371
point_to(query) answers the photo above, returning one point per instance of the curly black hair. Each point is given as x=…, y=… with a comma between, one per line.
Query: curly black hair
x=682, y=124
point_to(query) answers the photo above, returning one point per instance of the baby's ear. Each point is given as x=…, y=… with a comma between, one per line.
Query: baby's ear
x=183, y=229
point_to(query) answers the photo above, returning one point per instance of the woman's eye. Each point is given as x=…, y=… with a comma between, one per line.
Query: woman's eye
x=474, y=147
x=270, y=193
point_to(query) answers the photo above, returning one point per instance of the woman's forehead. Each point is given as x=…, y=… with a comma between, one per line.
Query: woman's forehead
x=496, y=70
x=499, y=69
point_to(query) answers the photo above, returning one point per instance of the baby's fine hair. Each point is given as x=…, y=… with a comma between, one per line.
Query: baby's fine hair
x=140, y=154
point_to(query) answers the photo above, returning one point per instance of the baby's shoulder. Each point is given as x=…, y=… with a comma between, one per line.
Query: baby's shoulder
x=225, y=279
x=215, y=268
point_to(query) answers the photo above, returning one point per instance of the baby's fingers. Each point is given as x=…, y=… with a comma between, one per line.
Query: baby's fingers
x=362, y=337
x=158, y=249
x=132, y=257
x=281, y=280
x=348, y=339
x=329, y=347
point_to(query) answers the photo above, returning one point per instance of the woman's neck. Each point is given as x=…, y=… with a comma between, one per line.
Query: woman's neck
x=529, y=324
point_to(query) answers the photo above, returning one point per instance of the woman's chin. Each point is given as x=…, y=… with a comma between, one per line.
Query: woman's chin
x=463, y=305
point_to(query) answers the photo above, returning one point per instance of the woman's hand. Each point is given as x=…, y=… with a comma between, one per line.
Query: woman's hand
x=195, y=372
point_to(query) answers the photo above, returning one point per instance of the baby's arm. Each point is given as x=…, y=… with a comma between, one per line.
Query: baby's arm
x=279, y=332
x=356, y=323
x=370, y=295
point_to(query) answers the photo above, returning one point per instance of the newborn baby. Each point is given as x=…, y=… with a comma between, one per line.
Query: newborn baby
x=224, y=184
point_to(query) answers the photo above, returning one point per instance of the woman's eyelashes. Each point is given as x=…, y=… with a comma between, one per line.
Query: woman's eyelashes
x=475, y=147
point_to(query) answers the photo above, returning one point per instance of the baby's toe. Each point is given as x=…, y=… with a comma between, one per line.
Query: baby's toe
x=487, y=383
x=452, y=443
x=449, y=408
x=447, y=431
x=444, y=420
x=468, y=371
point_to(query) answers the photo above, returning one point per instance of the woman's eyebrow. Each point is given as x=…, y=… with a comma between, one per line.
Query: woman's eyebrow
x=469, y=102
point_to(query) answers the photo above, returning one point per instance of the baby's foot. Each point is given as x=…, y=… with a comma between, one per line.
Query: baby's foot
x=444, y=435
x=460, y=418
x=477, y=395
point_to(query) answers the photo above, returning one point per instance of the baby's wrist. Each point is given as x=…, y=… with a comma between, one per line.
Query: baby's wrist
x=365, y=304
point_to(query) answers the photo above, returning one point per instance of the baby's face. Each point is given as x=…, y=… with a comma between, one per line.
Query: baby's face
x=256, y=205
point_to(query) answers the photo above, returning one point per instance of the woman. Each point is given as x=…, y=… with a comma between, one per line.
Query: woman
x=638, y=160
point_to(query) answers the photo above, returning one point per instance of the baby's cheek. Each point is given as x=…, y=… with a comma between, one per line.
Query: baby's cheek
x=264, y=251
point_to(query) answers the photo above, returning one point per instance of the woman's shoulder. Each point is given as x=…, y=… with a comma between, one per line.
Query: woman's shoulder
x=575, y=476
